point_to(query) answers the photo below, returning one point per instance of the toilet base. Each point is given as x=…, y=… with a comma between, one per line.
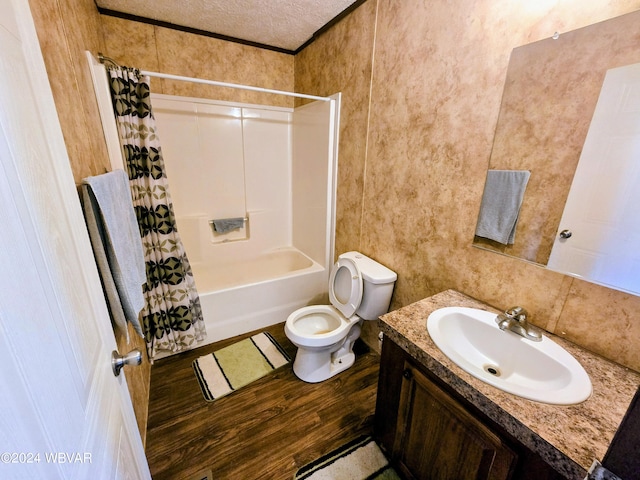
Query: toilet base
x=311, y=372
x=315, y=366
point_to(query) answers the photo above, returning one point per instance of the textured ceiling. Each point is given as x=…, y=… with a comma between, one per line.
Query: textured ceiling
x=283, y=24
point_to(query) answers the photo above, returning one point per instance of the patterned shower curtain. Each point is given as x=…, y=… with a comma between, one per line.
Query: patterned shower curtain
x=172, y=317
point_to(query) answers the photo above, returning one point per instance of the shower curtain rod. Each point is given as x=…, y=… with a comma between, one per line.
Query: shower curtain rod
x=169, y=76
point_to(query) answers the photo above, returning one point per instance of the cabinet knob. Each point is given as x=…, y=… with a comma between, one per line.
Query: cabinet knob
x=407, y=373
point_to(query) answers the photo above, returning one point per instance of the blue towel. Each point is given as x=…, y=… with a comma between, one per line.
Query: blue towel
x=115, y=237
x=224, y=225
x=501, y=202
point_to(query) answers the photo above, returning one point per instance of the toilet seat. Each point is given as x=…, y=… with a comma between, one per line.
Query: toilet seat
x=345, y=292
x=300, y=326
x=345, y=287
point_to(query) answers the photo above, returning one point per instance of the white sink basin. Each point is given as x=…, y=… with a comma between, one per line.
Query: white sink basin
x=541, y=371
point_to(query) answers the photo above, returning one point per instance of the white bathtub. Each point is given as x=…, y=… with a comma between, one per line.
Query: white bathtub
x=257, y=292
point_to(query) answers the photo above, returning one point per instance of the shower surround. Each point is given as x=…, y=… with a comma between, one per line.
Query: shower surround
x=273, y=167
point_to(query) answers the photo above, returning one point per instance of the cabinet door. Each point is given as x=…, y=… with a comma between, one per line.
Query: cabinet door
x=438, y=439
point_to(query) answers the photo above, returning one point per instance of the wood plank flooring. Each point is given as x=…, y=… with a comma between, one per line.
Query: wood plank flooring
x=266, y=430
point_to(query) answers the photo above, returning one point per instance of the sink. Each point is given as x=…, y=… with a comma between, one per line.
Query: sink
x=541, y=371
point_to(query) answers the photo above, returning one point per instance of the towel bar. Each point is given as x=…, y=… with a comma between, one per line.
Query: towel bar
x=223, y=226
x=244, y=219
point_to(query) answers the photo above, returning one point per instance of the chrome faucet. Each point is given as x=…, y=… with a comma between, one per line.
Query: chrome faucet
x=515, y=319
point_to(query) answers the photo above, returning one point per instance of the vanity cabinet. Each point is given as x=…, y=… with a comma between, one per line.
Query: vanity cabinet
x=429, y=433
x=437, y=438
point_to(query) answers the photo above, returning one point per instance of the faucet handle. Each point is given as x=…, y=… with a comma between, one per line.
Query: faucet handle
x=519, y=314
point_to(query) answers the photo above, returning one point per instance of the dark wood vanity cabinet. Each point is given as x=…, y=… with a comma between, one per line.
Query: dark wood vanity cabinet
x=437, y=438
x=430, y=434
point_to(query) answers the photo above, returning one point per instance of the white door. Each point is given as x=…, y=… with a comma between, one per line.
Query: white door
x=601, y=212
x=63, y=414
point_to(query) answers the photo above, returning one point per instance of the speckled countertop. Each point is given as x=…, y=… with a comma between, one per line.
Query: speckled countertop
x=569, y=438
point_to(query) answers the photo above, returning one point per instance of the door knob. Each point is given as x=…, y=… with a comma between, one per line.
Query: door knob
x=134, y=357
x=565, y=234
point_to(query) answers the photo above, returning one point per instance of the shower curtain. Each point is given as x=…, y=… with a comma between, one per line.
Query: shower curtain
x=172, y=316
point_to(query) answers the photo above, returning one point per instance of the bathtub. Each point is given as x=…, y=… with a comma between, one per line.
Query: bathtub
x=242, y=296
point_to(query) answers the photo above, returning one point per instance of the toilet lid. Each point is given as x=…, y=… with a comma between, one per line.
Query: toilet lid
x=345, y=286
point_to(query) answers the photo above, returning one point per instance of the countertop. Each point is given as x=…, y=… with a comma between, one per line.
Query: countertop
x=569, y=438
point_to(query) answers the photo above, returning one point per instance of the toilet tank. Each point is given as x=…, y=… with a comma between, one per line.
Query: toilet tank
x=378, y=282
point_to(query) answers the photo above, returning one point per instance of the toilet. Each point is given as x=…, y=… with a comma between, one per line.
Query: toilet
x=359, y=289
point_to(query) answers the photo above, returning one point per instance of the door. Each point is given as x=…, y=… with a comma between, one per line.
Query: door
x=436, y=438
x=601, y=212
x=63, y=414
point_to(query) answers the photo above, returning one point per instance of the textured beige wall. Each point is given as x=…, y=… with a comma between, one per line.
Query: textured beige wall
x=159, y=49
x=341, y=61
x=65, y=30
x=409, y=193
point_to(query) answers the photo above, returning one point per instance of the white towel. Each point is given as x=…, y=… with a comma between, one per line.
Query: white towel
x=117, y=245
x=501, y=202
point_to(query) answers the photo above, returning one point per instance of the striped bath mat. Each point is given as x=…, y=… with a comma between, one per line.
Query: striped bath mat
x=360, y=459
x=237, y=365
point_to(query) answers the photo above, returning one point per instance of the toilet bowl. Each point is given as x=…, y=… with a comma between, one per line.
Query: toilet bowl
x=318, y=326
x=321, y=334
x=359, y=289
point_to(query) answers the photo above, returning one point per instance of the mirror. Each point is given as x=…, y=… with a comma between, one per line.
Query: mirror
x=550, y=95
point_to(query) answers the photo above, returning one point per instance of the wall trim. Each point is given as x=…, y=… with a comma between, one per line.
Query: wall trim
x=206, y=33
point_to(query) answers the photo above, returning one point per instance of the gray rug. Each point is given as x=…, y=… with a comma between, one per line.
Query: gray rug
x=360, y=459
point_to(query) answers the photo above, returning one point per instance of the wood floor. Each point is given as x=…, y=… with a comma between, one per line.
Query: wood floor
x=266, y=430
